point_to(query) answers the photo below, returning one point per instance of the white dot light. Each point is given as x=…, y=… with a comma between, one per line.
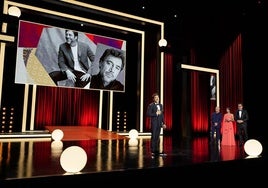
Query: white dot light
x=253, y=147
x=133, y=133
x=162, y=43
x=57, y=134
x=14, y=11
x=73, y=159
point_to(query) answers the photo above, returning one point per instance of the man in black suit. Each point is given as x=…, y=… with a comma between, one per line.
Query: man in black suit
x=155, y=112
x=241, y=118
x=75, y=58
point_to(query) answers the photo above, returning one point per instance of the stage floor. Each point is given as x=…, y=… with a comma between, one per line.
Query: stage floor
x=28, y=159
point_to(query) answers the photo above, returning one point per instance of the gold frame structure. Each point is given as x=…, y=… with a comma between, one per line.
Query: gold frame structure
x=75, y=17
x=203, y=69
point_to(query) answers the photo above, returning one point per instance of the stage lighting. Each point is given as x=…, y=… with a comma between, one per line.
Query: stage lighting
x=57, y=134
x=133, y=133
x=73, y=159
x=253, y=148
x=162, y=43
x=14, y=11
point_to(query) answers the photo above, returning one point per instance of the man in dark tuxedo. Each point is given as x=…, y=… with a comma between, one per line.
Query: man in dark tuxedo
x=75, y=58
x=155, y=112
x=241, y=118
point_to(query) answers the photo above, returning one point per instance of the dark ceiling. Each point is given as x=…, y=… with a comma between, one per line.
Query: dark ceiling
x=209, y=25
x=195, y=15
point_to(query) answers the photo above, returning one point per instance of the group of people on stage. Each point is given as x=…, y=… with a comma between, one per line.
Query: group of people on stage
x=225, y=126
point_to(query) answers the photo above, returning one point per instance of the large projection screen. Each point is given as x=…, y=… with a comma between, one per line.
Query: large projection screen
x=38, y=51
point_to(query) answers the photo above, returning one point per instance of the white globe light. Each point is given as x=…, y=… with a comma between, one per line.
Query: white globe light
x=133, y=133
x=73, y=159
x=14, y=11
x=57, y=134
x=162, y=43
x=253, y=147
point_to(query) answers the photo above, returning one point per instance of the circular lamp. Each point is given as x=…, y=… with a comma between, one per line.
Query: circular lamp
x=133, y=133
x=14, y=11
x=73, y=159
x=162, y=43
x=57, y=135
x=253, y=147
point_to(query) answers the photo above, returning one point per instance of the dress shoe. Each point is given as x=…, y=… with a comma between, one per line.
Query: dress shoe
x=162, y=154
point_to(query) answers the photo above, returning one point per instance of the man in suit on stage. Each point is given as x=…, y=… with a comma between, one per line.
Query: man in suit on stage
x=155, y=112
x=241, y=118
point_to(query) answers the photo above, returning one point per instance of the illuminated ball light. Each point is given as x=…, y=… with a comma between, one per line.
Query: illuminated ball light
x=57, y=134
x=162, y=42
x=14, y=11
x=253, y=147
x=73, y=159
x=133, y=133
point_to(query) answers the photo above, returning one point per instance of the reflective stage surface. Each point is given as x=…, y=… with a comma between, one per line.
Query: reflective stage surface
x=33, y=159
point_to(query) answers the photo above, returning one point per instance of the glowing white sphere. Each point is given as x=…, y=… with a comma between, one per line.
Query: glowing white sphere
x=57, y=134
x=133, y=133
x=14, y=11
x=253, y=147
x=73, y=159
x=162, y=43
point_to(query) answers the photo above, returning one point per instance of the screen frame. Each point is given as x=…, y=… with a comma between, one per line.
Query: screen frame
x=40, y=44
x=66, y=14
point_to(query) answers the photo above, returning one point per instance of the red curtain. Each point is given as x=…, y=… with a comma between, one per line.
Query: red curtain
x=231, y=76
x=199, y=96
x=151, y=86
x=168, y=99
x=64, y=106
x=231, y=87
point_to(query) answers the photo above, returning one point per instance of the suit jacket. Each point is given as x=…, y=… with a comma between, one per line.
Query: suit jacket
x=244, y=117
x=156, y=120
x=216, y=118
x=66, y=59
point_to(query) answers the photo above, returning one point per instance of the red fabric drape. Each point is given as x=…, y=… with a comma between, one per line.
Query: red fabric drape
x=150, y=88
x=231, y=76
x=65, y=106
x=199, y=96
x=168, y=99
x=231, y=86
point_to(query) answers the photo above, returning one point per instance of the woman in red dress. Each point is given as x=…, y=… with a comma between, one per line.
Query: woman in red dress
x=228, y=135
